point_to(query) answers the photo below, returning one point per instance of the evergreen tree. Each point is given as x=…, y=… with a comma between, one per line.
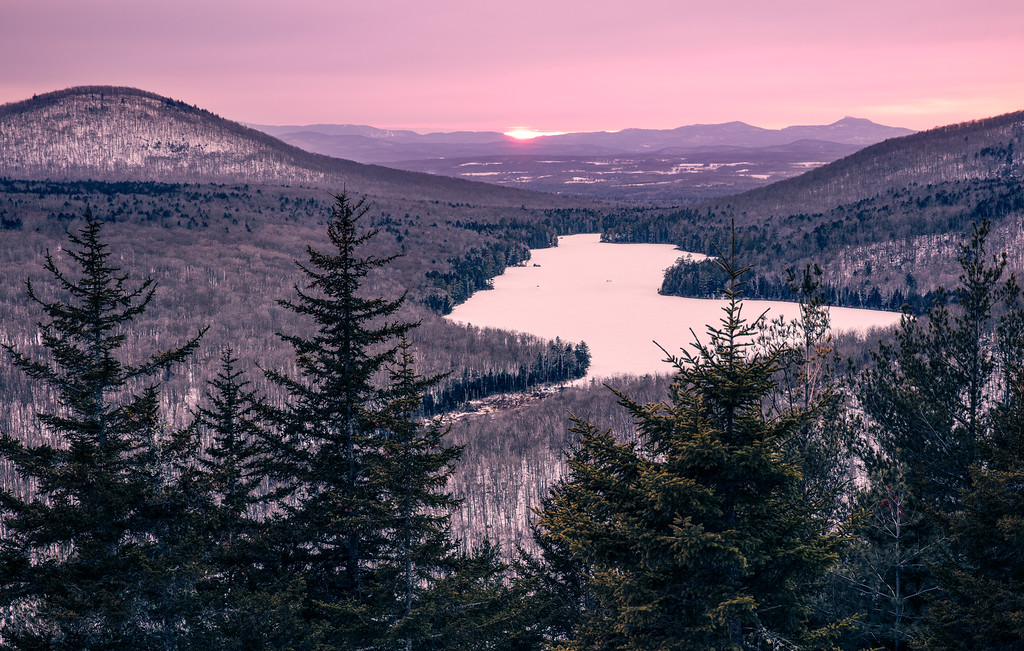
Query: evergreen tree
x=929, y=399
x=473, y=607
x=979, y=603
x=928, y=393
x=366, y=519
x=247, y=606
x=94, y=557
x=980, y=600
x=698, y=534
x=413, y=471
x=328, y=441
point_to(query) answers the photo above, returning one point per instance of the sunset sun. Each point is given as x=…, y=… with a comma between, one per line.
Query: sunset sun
x=526, y=133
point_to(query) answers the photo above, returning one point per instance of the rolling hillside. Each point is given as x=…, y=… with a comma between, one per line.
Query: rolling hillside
x=217, y=213
x=883, y=222
x=108, y=133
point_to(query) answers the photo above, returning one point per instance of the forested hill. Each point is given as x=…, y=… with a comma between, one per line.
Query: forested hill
x=882, y=222
x=217, y=214
x=117, y=134
x=982, y=149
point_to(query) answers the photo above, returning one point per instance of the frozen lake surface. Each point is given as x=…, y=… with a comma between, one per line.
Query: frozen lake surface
x=607, y=295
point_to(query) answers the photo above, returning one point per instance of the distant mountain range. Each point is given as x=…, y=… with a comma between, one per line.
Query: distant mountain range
x=885, y=222
x=636, y=165
x=368, y=144
x=110, y=133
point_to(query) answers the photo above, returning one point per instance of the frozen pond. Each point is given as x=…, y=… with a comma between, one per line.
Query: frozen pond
x=607, y=295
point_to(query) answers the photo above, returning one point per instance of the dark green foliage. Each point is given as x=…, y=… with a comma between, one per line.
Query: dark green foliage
x=412, y=472
x=980, y=604
x=698, y=535
x=472, y=608
x=246, y=604
x=561, y=362
x=930, y=392
x=328, y=448
x=97, y=556
x=979, y=574
x=930, y=399
x=701, y=279
x=366, y=518
x=472, y=272
x=233, y=461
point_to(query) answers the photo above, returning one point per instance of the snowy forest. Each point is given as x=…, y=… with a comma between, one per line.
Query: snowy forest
x=770, y=493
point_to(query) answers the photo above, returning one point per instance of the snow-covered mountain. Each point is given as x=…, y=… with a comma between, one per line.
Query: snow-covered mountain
x=124, y=134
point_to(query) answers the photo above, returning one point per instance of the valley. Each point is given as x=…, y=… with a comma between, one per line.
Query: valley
x=637, y=166
x=607, y=296
x=348, y=317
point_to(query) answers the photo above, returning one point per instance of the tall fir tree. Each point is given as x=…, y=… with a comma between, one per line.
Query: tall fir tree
x=413, y=472
x=94, y=558
x=929, y=399
x=247, y=606
x=366, y=519
x=979, y=603
x=434, y=595
x=979, y=600
x=698, y=534
x=928, y=393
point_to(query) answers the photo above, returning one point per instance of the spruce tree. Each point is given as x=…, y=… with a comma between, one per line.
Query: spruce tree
x=412, y=472
x=247, y=605
x=979, y=603
x=979, y=574
x=366, y=521
x=698, y=534
x=929, y=399
x=436, y=596
x=94, y=558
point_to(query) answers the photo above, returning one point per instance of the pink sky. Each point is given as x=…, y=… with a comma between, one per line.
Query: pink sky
x=546, y=64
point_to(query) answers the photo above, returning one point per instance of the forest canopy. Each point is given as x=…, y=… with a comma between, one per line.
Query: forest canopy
x=771, y=498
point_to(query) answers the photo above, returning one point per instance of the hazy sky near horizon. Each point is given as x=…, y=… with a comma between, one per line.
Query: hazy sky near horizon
x=545, y=64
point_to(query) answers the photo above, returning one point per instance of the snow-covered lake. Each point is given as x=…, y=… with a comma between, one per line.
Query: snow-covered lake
x=607, y=295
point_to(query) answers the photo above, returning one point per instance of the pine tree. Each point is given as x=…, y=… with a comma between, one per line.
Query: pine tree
x=698, y=534
x=232, y=463
x=929, y=400
x=344, y=515
x=92, y=559
x=412, y=471
x=980, y=600
x=928, y=392
x=473, y=608
x=980, y=574
x=247, y=606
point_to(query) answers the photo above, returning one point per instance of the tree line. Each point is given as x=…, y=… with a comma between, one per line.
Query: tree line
x=770, y=501
x=866, y=245
x=705, y=278
x=559, y=363
x=321, y=522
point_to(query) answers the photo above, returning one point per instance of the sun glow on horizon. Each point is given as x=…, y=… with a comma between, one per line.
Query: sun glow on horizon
x=526, y=133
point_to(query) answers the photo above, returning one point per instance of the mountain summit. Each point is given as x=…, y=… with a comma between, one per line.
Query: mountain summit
x=111, y=133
